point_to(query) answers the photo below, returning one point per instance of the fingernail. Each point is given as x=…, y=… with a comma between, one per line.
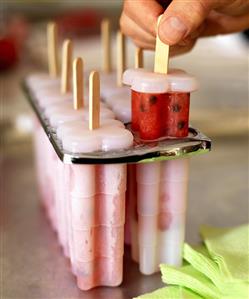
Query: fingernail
x=172, y=30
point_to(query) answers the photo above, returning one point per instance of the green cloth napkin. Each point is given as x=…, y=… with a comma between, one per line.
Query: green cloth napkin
x=190, y=278
x=205, y=265
x=218, y=271
x=229, y=248
x=171, y=292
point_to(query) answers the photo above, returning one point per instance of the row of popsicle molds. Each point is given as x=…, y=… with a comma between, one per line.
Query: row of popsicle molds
x=147, y=223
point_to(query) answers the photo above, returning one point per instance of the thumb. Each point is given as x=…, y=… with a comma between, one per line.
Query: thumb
x=181, y=18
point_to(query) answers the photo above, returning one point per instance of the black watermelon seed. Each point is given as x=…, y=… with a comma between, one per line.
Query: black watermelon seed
x=176, y=108
x=153, y=100
x=181, y=125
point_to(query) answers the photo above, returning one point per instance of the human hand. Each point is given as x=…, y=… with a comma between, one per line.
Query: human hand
x=183, y=21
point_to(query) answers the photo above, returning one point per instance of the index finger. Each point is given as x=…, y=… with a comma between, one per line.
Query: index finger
x=144, y=12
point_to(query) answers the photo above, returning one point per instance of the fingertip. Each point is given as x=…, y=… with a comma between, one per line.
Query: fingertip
x=172, y=30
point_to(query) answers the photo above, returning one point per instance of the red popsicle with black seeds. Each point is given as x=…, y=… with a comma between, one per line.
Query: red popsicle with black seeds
x=160, y=103
x=159, y=115
x=177, y=120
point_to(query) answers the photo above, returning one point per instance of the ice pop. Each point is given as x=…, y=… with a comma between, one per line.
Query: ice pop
x=97, y=198
x=70, y=118
x=160, y=102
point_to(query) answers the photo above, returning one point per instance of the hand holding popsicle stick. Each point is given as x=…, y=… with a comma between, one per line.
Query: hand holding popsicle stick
x=52, y=48
x=78, y=97
x=183, y=22
x=161, y=54
x=66, y=66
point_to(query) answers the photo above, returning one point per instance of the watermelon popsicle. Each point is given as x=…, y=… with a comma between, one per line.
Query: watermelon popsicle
x=160, y=99
x=97, y=199
x=160, y=102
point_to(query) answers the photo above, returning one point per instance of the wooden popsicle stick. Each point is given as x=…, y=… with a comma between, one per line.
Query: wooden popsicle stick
x=161, y=54
x=106, y=45
x=52, y=48
x=139, y=58
x=94, y=100
x=66, y=66
x=121, y=57
x=78, y=84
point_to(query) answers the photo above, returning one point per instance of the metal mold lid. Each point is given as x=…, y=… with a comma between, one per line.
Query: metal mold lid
x=162, y=149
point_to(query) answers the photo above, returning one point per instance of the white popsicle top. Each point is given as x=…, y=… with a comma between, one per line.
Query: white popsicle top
x=53, y=98
x=77, y=125
x=49, y=97
x=121, y=106
x=107, y=137
x=108, y=86
x=64, y=104
x=148, y=82
x=66, y=114
x=42, y=80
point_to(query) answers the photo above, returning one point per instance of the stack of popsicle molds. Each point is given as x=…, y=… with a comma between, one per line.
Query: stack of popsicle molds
x=160, y=107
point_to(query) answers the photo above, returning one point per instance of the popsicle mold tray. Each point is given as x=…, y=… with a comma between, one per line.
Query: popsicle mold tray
x=159, y=150
x=96, y=202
